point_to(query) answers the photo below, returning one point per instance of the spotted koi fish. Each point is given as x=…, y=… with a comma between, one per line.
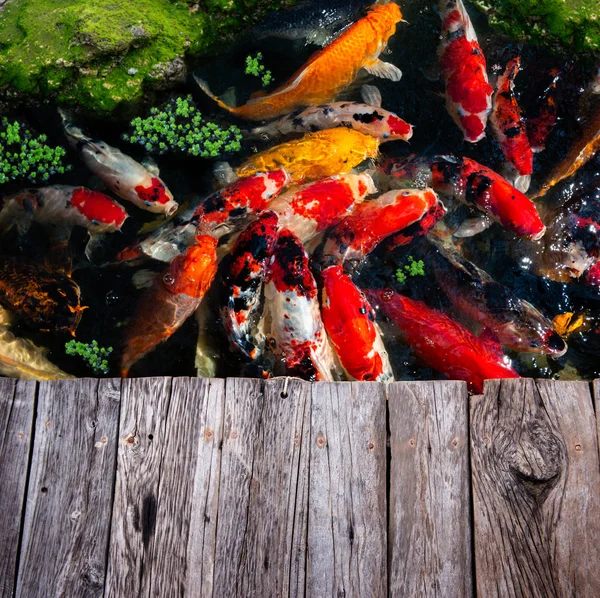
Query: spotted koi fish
x=442, y=343
x=122, y=174
x=540, y=125
x=350, y=324
x=468, y=92
x=172, y=299
x=330, y=70
x=244, y=272
x=315, y=155
x=508, y=126
x=292, y=321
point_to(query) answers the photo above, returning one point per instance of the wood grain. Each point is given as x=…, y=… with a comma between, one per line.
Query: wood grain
x=65, y=531
x=347, y=535
x=596, y=393
x=430, y=542
x=17, y=406
x=536, y=487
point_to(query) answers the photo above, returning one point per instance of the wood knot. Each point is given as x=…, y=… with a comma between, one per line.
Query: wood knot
x=321, y=440
x=577, y=447
x=371, y=447
x=48, y=423
x=130, y=440
x=412, y=443
x=102, y=442
x=233, y=435
x=454, y=442
x=208, y=434
x=20, y=436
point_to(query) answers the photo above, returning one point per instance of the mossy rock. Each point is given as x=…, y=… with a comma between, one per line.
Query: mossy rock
x=566, y=24
x=104, y=54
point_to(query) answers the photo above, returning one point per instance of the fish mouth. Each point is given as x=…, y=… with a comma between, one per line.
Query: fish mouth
x=539, y=235
x=555, y=344
x=172, y=209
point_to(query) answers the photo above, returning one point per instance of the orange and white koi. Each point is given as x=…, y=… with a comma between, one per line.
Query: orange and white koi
x=122, y=174
x=442, y=343
x=330, y=70
x=315, y=155
x=468, y=92
x=508, y=126
x=350, y=324
x=292, y=320
x=171, y=300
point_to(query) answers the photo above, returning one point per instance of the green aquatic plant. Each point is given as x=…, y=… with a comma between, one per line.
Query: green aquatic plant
x=179, y=128
x=254, y=66
x=24, y=155
x=413, y=268
x=92, y=353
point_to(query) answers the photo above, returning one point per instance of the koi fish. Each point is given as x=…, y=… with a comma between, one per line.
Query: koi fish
x=513, y=322
x=468, y=92
x=368, y=119
x=218, y=214
x=540, y=125
x=442, y=343
x=330, y=70
x=244, y=273
x=508, y=126
x=121, y=174
x=171, y=300
x=292, y=321
x=45, y=299
x=350, y=324
x=371, y=222
x=315, y=155
x=309, y=209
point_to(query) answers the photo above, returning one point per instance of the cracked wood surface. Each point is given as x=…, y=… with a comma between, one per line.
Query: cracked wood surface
x=238, y=487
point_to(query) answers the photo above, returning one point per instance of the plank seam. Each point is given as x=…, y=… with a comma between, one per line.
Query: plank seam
x=471, y=497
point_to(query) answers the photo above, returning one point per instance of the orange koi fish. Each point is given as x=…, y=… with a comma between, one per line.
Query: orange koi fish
x=315, y=155
x=330, y=70
x=173, y=298
x=350, y=324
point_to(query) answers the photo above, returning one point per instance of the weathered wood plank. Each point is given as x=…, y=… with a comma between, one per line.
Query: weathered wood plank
x=261, y=534
x=596, y=393
x=347, y=534
x=536, y=488
x=65, y=531
x=17, y=404
x=430, y=541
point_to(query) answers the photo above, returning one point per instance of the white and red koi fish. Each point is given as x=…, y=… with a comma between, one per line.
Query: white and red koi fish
x=371, y=222
x=171, y=300
x=244, y=272
x=292, y=322
x=350, y=324
x=122, y=174
x=468, y=92
x=310, y=209
x=442, y=343
x=508, y=126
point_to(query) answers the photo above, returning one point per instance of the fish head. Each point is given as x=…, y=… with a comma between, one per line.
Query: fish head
x=289, y=269
x=383, y=18
x=103, y=214
x=155, y=195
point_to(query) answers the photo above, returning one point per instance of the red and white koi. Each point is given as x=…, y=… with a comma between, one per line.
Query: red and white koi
x=350, y=323
x=172, y=299
x=508, y=126
x=442, y=343
x=292, y=321
x=122, y=174
x=468, y=92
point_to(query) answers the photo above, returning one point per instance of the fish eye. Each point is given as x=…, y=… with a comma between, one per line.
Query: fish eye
x=148, y=203
x=169, y=279
x=95, y=222
x=264, y=136
x=385, y=135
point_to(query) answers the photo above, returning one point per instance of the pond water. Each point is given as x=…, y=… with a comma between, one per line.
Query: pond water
x=528, y=268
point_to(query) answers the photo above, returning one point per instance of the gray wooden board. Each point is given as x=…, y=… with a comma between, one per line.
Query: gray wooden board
x=66, y=524
x=596, y=393
x=430, y=520
x=536, y=488
x=347, y=536
x=17, y=403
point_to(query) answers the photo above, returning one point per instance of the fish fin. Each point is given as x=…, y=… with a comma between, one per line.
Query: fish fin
x=521, y=182
x=371, y=95
x=229, y=97
x=73, y=133
x=224, y=173
x=151, y=166
x=94, y=247
x=385, y=70
x=319, y=37
x=143, y=279
x=472, y=226
x=203, y=85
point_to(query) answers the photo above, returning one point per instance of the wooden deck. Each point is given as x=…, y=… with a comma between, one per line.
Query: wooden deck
x=190, y=487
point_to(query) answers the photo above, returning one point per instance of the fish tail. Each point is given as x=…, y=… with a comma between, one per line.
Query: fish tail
x=204, y=87
x=74, y=134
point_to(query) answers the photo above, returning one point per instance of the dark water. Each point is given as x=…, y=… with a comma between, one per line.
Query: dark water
x=108, y=290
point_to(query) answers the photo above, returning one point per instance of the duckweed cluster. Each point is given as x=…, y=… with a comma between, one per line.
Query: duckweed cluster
x=92, y=353
x=24, y=155
x=413, y=268
x=179, y=128
x=254, y=66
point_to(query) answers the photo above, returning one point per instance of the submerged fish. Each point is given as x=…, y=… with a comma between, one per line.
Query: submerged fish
x=442, y=343
x=172, y=299
x=330, y=70
x=468, y=92
x=350, y=324
x=123, y=175
x=315, y=155
x=541, y=123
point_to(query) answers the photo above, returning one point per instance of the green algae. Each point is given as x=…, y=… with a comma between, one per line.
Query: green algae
x=106, y=54
x=569, y=25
